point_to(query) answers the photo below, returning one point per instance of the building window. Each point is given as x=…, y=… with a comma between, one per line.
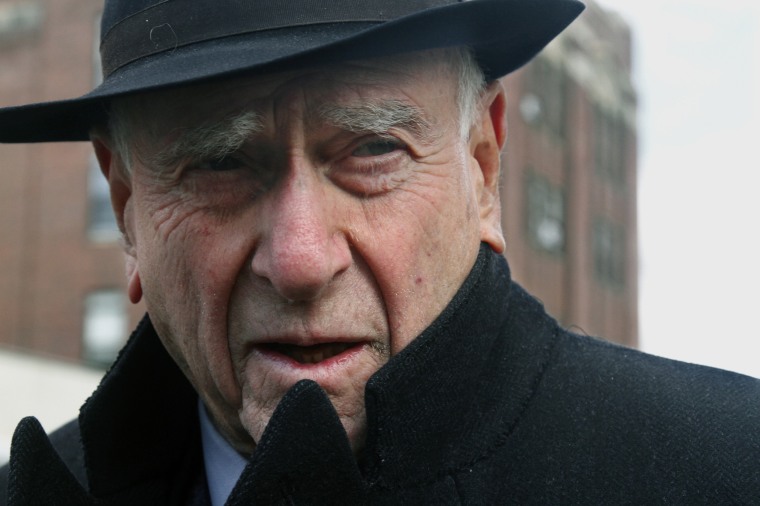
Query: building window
x=545, y=214
x=610, y=147
x=105, y=326
x=609, y=252
x=543, y=105
x=19, y=19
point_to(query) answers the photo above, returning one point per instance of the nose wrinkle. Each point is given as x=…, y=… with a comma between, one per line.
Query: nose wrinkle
x=301, y=252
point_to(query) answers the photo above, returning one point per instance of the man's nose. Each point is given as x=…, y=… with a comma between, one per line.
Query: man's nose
x=302, y=248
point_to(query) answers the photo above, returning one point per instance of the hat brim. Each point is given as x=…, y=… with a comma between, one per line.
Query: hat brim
x=503, y=35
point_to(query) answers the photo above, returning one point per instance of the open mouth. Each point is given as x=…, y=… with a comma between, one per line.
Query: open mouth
x=309, y=354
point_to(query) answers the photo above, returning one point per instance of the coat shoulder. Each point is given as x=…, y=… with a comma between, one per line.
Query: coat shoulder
x=607, y=368
x=628, y=418
x=67, y=440
x=612, y=425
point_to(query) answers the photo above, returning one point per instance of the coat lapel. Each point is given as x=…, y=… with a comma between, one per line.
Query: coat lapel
x=37, y=473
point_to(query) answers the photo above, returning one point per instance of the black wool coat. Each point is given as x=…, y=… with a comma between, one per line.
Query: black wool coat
x=493, y=404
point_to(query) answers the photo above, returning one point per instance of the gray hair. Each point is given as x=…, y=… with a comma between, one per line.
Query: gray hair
x=470, y=85
x=128, y=112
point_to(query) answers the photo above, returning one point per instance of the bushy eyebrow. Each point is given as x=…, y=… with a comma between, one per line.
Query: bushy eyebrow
x=217, y=139
x=379, y=117
x=209, y=141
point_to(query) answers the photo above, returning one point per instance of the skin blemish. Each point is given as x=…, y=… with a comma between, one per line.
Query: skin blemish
x=418, y=280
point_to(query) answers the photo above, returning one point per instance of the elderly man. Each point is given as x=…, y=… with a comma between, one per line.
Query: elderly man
x=308, y=193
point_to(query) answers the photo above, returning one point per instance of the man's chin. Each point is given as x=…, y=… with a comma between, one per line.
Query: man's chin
x=256, y=418
x=342, y=371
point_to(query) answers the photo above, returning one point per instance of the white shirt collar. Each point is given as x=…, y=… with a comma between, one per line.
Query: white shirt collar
x=223, y=464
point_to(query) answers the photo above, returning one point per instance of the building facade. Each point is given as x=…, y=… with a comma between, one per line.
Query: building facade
x=569, y=188
x=569, y=178
x=62, y=288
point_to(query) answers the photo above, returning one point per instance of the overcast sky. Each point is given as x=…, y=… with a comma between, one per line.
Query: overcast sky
x=698, y=75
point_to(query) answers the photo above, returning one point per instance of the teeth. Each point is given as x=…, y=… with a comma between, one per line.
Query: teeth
x=311, y=354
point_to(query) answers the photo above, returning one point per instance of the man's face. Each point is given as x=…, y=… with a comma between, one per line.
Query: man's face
x=305, y=225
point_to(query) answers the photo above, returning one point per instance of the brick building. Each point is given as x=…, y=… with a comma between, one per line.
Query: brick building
x=63, y=263
x=569, y=178
x=569, y=188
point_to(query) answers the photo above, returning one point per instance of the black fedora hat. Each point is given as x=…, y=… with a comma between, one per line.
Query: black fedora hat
x=154, y=44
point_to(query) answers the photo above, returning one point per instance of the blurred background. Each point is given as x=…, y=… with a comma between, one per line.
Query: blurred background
x=697, y=75
x=629, y=194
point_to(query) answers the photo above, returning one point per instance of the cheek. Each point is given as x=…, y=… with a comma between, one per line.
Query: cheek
x=189, y=262
x=184, y=247
x=423, y=245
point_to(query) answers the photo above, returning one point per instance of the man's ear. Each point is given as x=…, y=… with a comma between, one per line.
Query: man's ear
x=487, y=137
x=120, y=184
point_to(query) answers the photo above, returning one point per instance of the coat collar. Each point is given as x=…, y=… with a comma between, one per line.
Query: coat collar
x=455, y=393
x=137, y=425
x=449, y=399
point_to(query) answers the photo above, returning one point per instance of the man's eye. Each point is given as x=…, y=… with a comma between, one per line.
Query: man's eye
x=377, y=148
x=222, y=164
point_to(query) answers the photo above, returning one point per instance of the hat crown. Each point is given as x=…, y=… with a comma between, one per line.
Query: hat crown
x=116, y=11
x=158, y=44
x=134, y=29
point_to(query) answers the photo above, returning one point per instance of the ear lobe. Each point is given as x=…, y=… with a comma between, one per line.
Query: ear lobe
x=487, y=138
x=112, y=166
x=134, y=285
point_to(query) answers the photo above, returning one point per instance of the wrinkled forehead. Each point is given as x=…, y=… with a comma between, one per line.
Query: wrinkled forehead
x=348, y=83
